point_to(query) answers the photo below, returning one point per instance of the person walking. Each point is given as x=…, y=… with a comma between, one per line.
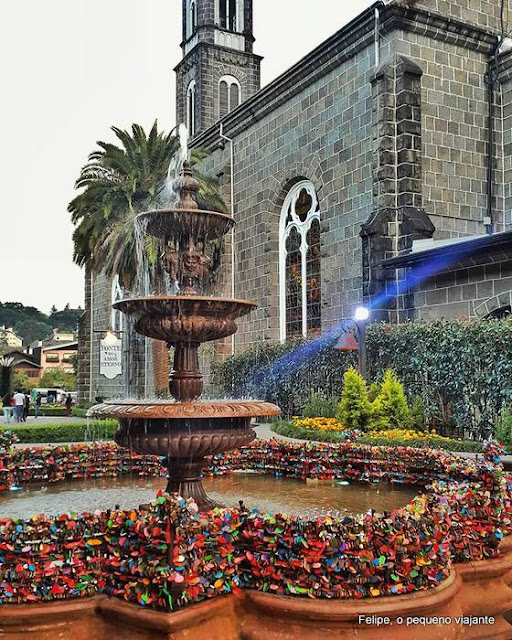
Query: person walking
x=7, y=407
x=69, y=404
x=26, y=407
x=37, y=405
x=19, y=404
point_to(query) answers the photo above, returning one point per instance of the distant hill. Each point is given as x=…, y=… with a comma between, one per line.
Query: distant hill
x=31, y=324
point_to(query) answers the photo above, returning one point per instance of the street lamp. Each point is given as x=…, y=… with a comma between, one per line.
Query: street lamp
x=347, y=340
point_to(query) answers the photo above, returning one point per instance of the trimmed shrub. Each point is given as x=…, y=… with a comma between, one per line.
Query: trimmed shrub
x=78, y=432
x=354, y=409
x=389, y=409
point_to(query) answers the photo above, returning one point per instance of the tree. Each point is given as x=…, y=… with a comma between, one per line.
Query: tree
x=390, y=409
x=58, y=378
x=21, y=381
x=117, y=183
x=354, y=409
x=31, y=330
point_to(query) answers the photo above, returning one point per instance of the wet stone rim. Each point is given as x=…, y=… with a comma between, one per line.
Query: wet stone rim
x=225, y=409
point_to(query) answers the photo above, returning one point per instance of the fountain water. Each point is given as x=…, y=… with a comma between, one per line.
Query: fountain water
x=184, y=430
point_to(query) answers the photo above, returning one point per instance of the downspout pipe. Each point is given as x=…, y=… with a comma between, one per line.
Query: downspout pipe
x=376, y=40
x=232, y=198
x=491, y=81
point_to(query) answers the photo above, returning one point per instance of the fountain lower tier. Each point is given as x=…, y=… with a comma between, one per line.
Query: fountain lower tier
x=185, y=433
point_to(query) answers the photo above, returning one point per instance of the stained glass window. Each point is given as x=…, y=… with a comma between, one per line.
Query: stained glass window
x=300, y=266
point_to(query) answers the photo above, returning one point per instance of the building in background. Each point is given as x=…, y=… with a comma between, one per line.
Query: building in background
x=377, y=169
x=8, y=338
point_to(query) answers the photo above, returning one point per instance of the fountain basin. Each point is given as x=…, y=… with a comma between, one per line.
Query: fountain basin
x=174, y=224
x=184, y=433
x=185, y=319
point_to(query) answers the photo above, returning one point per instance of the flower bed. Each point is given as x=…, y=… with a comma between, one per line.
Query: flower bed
x=331, y=430
x=461, y=517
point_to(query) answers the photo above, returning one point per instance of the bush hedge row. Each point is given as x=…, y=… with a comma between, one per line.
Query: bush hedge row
x=288, y=430
x=461, y=370
x=78, y=432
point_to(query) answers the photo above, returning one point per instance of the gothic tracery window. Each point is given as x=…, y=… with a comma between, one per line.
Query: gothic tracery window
x=299, y=263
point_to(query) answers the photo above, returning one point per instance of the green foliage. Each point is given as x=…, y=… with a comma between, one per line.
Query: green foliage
x=417, y=420
x=30, y=324
x=390, y=409
x=21, y=381
x=318, y=406
x=52, y=410
x=503, y=428
x=117, y=183
x=284, y=373
x=78, y=432
x=462, y=370
x=58, y=378
x=373, y=391
x=67, y=319
x=354, y=409
x=286, y=428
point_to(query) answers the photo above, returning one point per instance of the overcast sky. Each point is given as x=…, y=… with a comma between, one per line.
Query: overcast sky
x=72, y=68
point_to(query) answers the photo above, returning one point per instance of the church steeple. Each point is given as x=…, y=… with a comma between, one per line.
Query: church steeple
x=219, y=69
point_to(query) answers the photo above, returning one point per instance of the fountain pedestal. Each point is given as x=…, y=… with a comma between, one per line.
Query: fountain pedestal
x=184, y=430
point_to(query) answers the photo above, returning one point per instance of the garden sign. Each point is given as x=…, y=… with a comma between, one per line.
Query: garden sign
x=110, y=356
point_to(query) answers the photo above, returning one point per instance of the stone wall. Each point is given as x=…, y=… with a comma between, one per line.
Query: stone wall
x=483, y=13
x=137, y=379
x=472, y=290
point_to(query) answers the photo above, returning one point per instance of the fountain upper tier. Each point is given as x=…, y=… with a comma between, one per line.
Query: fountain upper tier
x=185, y=318
x=175, y=224
x=185, y=220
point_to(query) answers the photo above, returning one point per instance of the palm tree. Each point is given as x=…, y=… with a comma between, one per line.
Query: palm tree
x=119, y=182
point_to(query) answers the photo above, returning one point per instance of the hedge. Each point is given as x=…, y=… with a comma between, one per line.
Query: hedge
x=462, y=370
x=77, y=432
x=288, y=430
x=55, y=410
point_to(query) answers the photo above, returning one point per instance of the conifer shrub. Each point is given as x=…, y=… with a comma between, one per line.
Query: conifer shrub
x=389, y=409
x=354, y=409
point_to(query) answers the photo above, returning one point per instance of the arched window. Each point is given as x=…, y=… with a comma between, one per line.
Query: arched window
x=299, y=263
x=193, y=17
x=229, y=94
x=116, y=317
x=228, y=14
x=191, y=108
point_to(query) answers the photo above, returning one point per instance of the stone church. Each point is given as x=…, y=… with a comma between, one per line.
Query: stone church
x=376, y=170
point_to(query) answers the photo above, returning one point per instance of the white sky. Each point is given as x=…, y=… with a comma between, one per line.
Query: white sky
x=71, y=69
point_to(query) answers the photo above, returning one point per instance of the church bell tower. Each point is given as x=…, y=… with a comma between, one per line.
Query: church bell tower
x=219, y=69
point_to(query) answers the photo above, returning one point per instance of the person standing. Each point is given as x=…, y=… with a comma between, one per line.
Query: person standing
x=69, y=404
x=26, y=407
x=37, y=405
x=7, y=407
x=19, y=404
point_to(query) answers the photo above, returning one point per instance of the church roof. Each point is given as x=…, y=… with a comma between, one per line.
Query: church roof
x=456, y=252
x=355, y=36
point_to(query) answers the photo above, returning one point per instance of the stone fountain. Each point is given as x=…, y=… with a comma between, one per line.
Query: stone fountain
x=184, y=430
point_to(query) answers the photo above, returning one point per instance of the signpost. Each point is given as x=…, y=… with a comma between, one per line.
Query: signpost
x=111, y=356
